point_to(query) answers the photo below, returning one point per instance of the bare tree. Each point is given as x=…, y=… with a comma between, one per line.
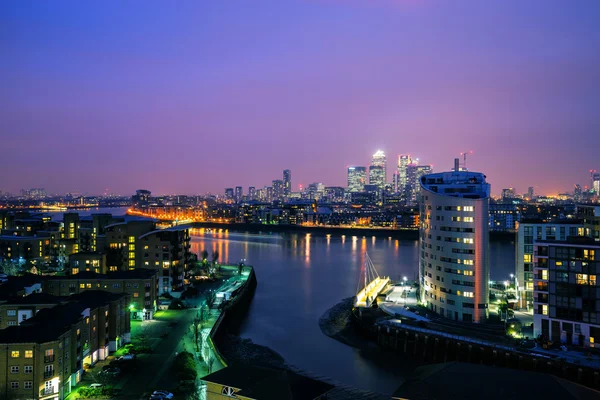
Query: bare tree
x=210, y=361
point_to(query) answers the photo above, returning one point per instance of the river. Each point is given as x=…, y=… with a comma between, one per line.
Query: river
x=300, y=277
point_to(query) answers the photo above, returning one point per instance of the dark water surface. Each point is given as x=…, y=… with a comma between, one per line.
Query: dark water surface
x=300, y=277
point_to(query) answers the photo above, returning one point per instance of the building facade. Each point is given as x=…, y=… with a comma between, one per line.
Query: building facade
x=357, y=178
x=528, y=232
x=287, y=182
x=454, y=240
x=566, y=291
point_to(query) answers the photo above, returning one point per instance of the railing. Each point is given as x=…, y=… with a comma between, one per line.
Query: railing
x=48, y=391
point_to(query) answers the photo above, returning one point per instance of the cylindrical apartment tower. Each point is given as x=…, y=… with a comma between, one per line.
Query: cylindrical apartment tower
x=454, y=243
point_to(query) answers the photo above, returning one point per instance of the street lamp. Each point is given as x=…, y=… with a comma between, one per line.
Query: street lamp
x=404, y=294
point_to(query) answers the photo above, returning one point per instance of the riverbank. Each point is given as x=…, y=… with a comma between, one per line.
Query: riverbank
x=400, y=234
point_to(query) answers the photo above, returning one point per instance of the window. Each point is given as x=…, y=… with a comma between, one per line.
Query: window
x=28, y=385
x=14, y=385
x=468, y=294
x=74, y=271
x=88, y=285
x=28, y=353
x=545, y=274
x=593, y=280
x=468, y=219
x=11, y=313
x=468, y=262
x=14, y=369
x=15, y=354
x=131, y=239
x=136, y=294
x=582, y=279
x=468, y=240
x=544, y=309
x=116, y=285
x=469, y=208
x=82, y=286
x=28, y=369
x=527, y=258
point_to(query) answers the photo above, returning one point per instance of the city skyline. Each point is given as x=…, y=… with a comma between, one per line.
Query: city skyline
x=103, y=96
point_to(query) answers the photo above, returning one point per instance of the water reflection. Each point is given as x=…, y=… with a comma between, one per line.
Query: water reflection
x=300, y=277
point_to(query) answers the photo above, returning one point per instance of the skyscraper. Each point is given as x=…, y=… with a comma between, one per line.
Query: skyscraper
x=287, y=182
x=229, y=194
x=596, y=183
x=251, y=193
x=454, y=239
x=278, y=188
x=239, y=192
x=404, y=160
x=577, y=192
x=357, y=178
x=530, y=193
x=414, y=172
x=379, y=160
x=376, y=176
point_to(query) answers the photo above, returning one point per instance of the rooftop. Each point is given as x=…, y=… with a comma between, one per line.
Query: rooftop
x=138, y=273
x=269, y=383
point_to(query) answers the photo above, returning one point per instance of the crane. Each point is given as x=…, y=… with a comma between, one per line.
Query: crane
x=464, y=156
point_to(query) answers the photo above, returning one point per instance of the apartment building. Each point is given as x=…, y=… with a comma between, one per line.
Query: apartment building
x=44, y=356
x=566, y=291
x=528, y=232
x=141, y=284
x=88, y=261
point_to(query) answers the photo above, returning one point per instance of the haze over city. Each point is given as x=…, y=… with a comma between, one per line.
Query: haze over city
x=206, y=95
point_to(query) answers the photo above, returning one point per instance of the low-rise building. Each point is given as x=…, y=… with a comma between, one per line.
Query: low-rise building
x=566, y=291
x=44, y=356
x=141, y=284
x=88, y=261
x=16, y=310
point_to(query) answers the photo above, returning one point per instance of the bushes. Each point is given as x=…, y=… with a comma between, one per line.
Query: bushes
x=184, y=366
x=95, y=393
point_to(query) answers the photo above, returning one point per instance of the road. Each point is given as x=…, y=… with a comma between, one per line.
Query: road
x=152, y=368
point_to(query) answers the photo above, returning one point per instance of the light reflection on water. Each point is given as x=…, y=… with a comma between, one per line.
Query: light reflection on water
x=302, y=276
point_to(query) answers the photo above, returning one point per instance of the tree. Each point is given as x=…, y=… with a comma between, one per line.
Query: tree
x=210, y=361
x=9, y=267
x=198, y=331
x=143, y=338
x=204, y=256
x=215, y=256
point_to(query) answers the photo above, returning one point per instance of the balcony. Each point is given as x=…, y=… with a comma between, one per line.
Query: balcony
x=49, y=359
x=49, y=390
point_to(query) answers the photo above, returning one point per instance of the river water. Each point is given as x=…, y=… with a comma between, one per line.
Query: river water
x=300, y=277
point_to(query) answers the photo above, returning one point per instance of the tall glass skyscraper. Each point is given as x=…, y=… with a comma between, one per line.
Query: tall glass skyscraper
x=377, y=170
x=287, y=182
x=454, y=240
x=357, y=178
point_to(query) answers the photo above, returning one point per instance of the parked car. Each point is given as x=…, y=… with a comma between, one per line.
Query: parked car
x=161, y=395
x=127, y=357
x=110, y=370
x=96, y=385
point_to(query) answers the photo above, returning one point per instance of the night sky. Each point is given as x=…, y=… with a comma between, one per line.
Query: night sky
x=191, y=97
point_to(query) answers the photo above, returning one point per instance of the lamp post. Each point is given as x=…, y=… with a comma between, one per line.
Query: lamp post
x=404, y=294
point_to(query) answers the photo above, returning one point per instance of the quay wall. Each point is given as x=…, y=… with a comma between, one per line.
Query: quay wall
x=435, y=347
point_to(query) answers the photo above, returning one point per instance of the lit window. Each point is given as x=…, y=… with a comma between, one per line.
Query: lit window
x=527, y=258
x=544, y=309
x=468, y=240
x=468, y=262
x=15, y=354
x=582, y=279
x=28, y=353
x=593, y=280
x=545, y=274
x=136, y=294
x=131, y=239
x=468, y=219
x=88, y=285
x=75, y=271
x=468, y=294
x=82, y=286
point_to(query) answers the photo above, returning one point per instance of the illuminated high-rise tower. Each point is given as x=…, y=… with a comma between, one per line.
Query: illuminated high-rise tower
x=357, y=178
x=287, y=182
x=377, y=170
x=404, y=160
x=454, y=267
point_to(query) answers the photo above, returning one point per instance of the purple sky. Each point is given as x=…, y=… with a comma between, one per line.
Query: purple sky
x=196, y=96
